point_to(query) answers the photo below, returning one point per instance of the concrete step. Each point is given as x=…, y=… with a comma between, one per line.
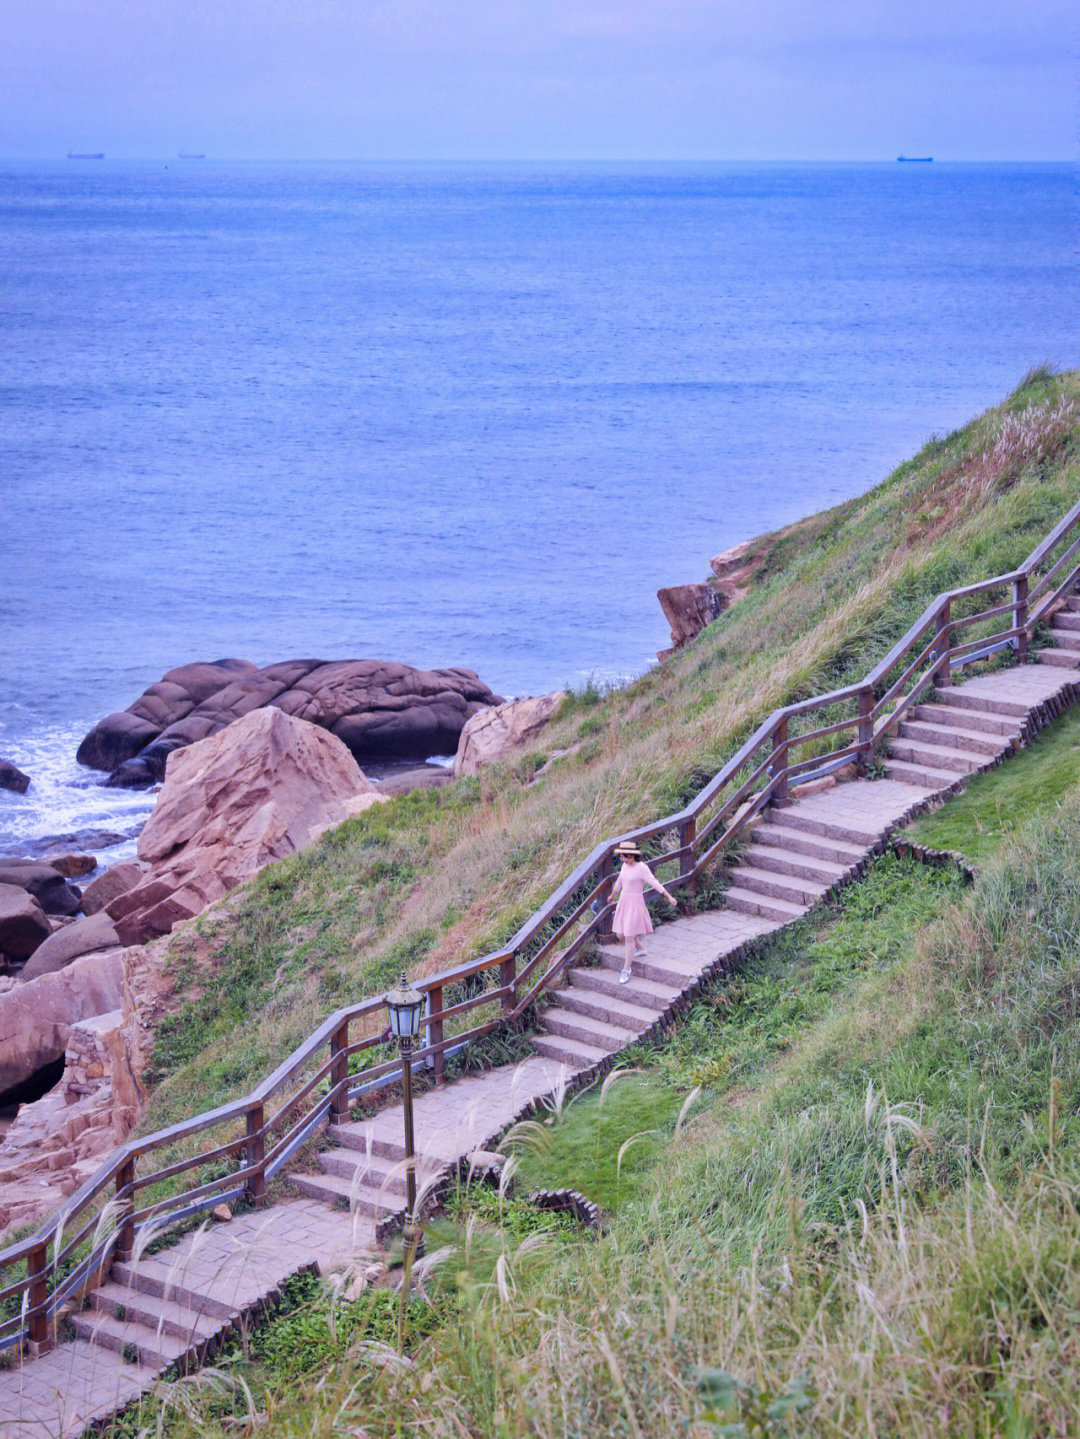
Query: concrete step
x=1072, y=602
x=968, y=719
x=1063, y=637
x=776, y=834
x=134, y=1341
x=342, y=1193
x=783, y=861
x=382, y=1176
x=951, y=736
x=1069, y=619
x=163, y=1278
x=827, y=829
x=616, y=1009
x=746, y=901
x=787, y=886
x=359, y=1135
x=598, y=1032
x=1061, y=659
x=655, y=967
x=935, y=756
x=644, y=993
x=960, y=697
x=570, y=1052
x=181, y=1321
x=924, y=778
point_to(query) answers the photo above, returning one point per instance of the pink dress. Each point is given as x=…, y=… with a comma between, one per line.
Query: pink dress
x=631, y=916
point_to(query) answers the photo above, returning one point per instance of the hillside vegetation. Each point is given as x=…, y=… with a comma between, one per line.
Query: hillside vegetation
x=440, y=875
x=844, y=1197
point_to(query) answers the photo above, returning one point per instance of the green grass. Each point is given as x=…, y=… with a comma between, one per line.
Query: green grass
x=994, y=806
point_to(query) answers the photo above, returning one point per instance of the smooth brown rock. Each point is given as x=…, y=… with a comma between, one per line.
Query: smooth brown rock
x=503, y=729
x=120, y=736
x=83, y=937
x=12, y=778
x=47, y=885
x=380, y=709
x=24, y=925
x=116, y=880
x=72, y=865
x=689, y=608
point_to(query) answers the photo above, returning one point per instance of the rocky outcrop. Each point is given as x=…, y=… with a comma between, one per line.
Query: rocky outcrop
x=84, y=936
x=12, y=778
x=121, y=736
x=257, y=791
x=35, y=1017
x=736, y=569
x=47, y=885
x=116, y=880
x=379, y=709
x=501, y=730
x=688, y=609
x=23, y=923
x=58, y=1141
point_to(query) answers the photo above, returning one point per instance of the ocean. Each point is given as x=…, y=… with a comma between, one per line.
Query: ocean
x=458, y=415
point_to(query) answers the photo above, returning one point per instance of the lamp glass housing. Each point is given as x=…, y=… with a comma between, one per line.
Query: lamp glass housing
x=406, y=1005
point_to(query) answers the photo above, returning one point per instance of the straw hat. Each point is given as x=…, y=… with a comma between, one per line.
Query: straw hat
x=628, y=850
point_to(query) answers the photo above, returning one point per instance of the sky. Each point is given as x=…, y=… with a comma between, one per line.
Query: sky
x=542, y=79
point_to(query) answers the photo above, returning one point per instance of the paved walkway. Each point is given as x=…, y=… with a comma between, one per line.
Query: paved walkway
x=214, y=1277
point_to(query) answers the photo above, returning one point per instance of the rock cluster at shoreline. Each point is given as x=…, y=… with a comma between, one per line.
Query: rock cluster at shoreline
x=380, y=709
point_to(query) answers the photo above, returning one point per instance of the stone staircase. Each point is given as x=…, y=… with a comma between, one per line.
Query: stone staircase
x=169, y=1310
x=1064, y=636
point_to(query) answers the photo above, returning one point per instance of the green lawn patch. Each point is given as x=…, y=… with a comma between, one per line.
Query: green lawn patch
x=995, y=805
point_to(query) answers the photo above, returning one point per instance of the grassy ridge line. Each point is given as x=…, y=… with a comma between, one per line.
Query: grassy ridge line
x=438, y=875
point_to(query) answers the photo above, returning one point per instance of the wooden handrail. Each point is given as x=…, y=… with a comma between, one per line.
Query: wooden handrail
x=768, y=753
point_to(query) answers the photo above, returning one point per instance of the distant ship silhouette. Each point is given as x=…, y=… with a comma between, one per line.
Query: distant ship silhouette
x=86, y=154
x=914, y=159
x=190, y=155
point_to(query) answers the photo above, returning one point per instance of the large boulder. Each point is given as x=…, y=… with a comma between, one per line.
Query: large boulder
x=23, y=924
x=35, y=1018
x=83, y=937
x=116, y=880
x=11, y=777
x=120, y=736
x=381, y=710
x=257, y=791
x=47, y=885
x=688, y=609
x=501, y=730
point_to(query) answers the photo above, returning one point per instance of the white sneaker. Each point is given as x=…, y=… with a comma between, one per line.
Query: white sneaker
x=624, y=977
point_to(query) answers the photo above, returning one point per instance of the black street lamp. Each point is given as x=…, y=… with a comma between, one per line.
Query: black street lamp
x=406, y=1005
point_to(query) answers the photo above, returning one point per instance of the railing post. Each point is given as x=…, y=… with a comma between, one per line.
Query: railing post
x=508, y=979
x=1020, y=616
x=943, y=669
x=779, y=761
x=435, y=1032
x=866, y=729
x=339, y=1074
x=125, y=1205
x=37, y=1271
x=688, y=862
x=607, y=873
x=255, y=1155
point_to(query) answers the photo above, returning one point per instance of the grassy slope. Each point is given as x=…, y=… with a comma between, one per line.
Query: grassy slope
x=870, y=1208
x=439, y=875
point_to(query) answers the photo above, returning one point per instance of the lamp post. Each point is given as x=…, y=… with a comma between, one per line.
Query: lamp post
x=405, y=1005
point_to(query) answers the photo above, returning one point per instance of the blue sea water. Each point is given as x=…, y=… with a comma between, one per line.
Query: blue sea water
x=459, y=415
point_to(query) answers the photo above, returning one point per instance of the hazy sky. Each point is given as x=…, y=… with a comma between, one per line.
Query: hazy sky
x=649, y=79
